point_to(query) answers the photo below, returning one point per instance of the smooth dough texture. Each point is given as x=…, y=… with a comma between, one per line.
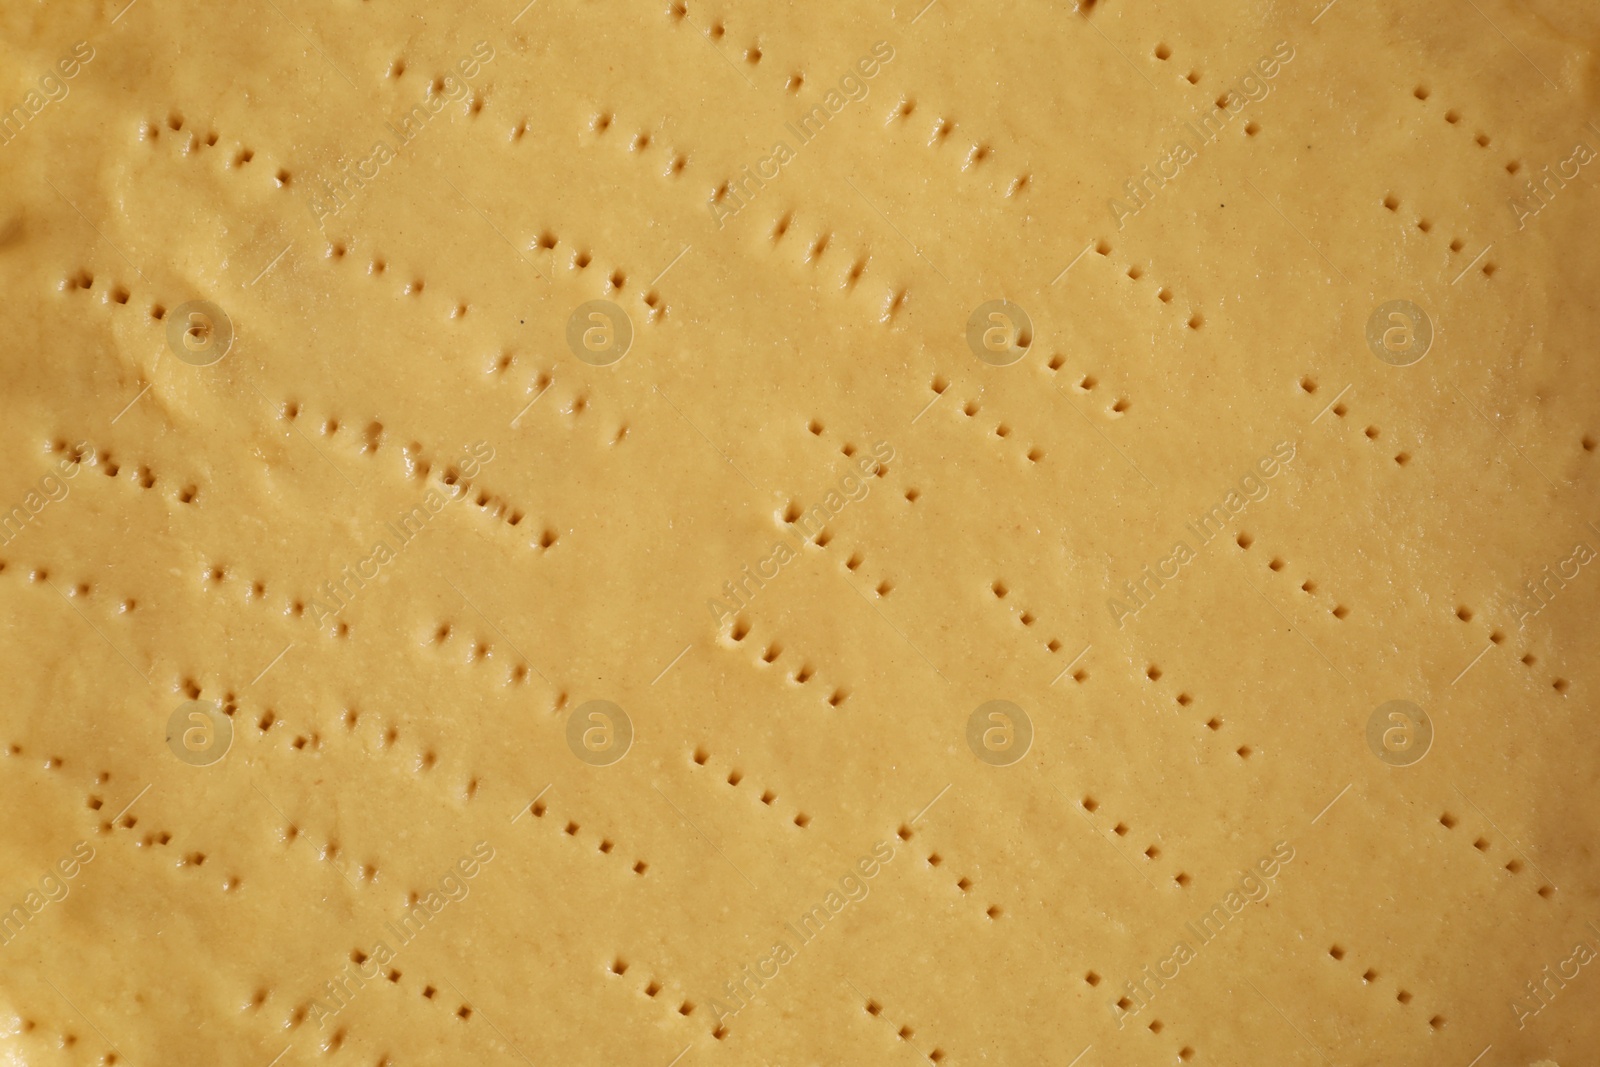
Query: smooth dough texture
x=1062, y=357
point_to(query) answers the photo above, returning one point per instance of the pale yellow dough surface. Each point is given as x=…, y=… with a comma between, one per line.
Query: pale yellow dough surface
x=1198, y=336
